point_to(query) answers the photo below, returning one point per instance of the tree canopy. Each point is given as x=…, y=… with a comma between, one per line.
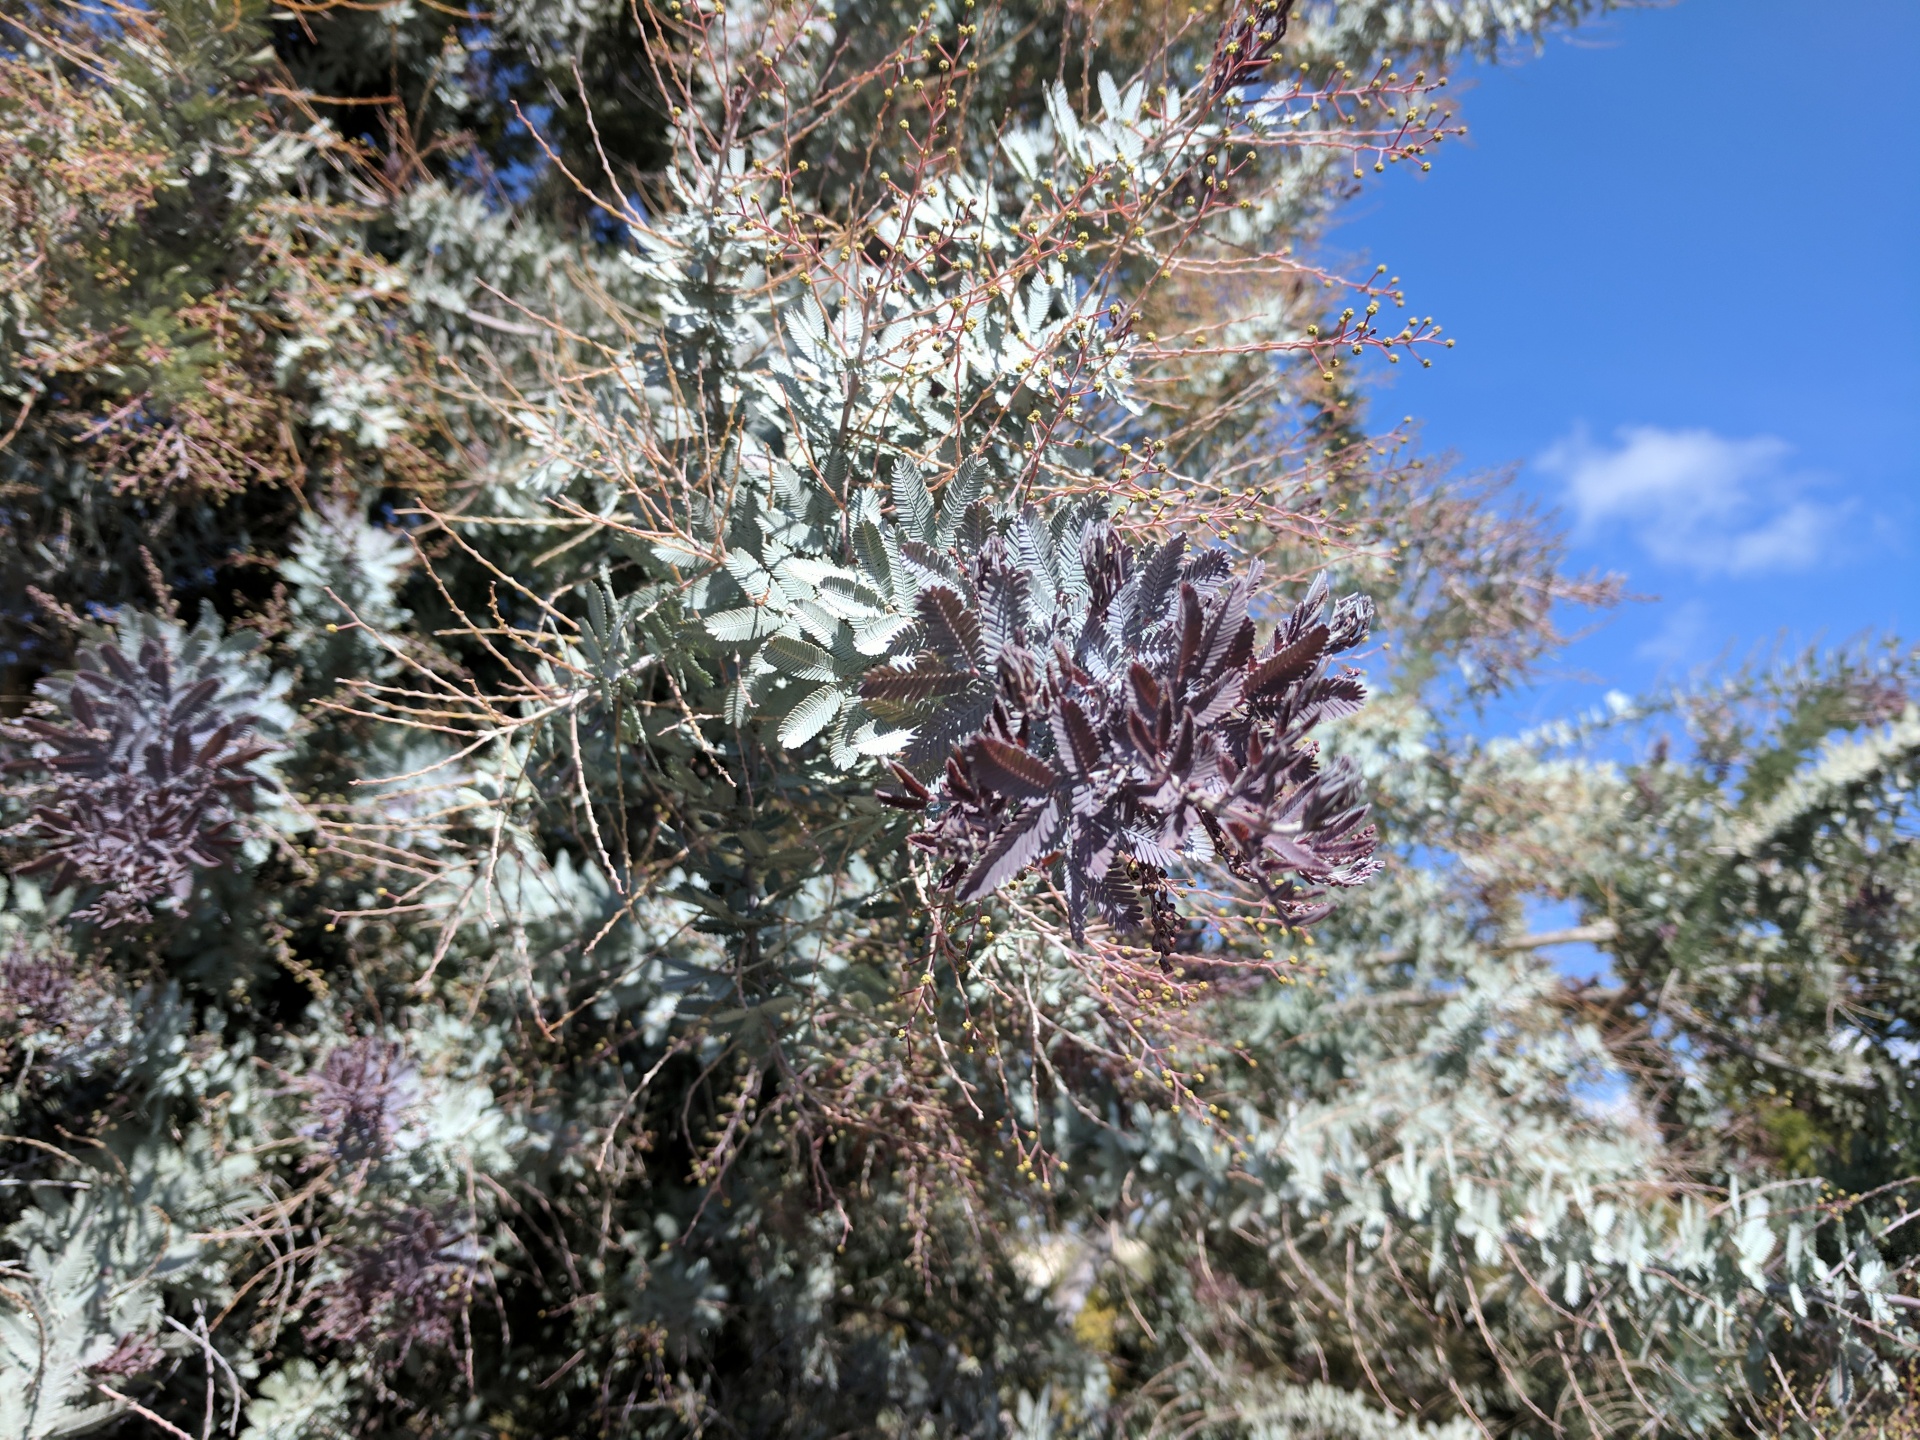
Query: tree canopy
x=724, y=719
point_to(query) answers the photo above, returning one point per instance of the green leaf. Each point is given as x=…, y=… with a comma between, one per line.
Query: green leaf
x=872, y=550
x=752, y=576
x=681, y=555
x=876, y=636
x=911, y=502
x=739, y=701
x=800, y=658
x=850, y=600
x=742, y=626
x=812, y=715
x=966, y=486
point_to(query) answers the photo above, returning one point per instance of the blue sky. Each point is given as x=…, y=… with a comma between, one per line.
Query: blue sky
x=1679, y=255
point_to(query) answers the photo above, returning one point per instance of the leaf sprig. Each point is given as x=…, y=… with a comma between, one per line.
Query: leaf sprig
x=148, y=752
x=1106, y=707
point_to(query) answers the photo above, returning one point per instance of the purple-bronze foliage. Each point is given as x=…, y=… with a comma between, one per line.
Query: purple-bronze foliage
x=408, y=1282
x=358, y=1099
x=59, y=1017
x=405, y=1274
x=1121, y=717
x=144, y=759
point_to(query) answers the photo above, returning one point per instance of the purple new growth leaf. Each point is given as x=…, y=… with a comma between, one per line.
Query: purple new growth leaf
x=1128, y=725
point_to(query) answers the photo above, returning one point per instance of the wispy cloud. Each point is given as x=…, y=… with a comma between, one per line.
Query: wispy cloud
x=1698, y=500
x=1682, y=638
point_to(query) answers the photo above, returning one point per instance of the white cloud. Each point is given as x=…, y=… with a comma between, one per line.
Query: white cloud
x=1697, y=500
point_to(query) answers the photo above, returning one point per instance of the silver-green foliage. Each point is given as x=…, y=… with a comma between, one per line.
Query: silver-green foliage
x=572, y=1050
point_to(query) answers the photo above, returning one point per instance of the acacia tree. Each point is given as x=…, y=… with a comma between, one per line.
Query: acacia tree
x=759, y=823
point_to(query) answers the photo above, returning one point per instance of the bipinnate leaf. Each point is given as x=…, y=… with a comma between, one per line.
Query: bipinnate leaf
x=813, y=713
x=800, y=658
x=911, y=502
x=1129, y=718
x=1008, y=768
x=906, y=688
x=962, y=491
x=952, y=627
x=1278, y=671
x=741, y=626
x=1030, y=836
